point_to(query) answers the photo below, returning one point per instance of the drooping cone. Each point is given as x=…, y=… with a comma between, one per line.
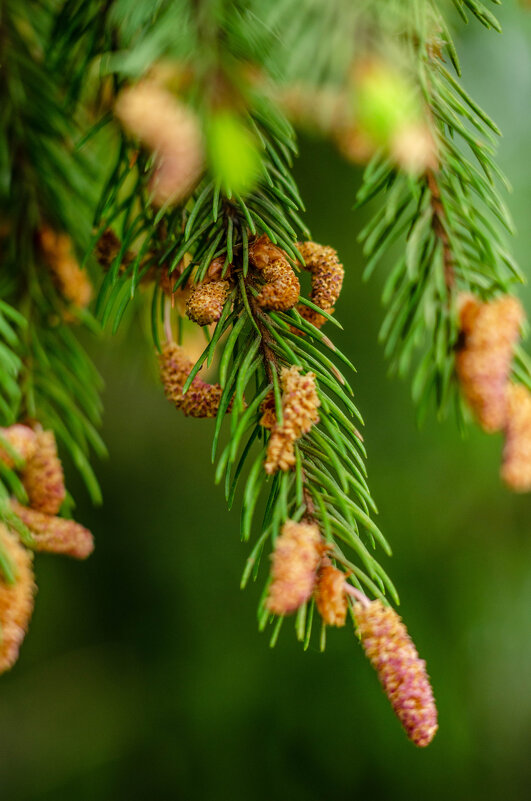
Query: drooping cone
x=490, y=331
x=202, y=399
x=16, y=600
x=516, y=466
x=401, y=672
x=330, y=596
x=55, y=534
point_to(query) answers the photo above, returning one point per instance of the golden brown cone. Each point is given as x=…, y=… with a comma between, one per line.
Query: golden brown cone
x=202, y=399
x=299, y=412
x=295, y=559
x=43, y=476
x=281, y=289
x=55, y=534
x=16, y=600
x=262, y=252
x=330, y=596
x=72, y=282
x=327, y=280
x=516, y=466
x=206, y=300
x=490, y=332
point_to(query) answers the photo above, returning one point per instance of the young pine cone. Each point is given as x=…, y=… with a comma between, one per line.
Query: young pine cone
x=72, y=282
x=267, y=407
x=327, y=279
x=299, y=412
x=206, y=300
x=22, y=439
x=400, y=670
x=296, y=557
x=330, y=596
x=281, y=289
x=43, y=476
x=516, y=466
x=55, y=534
x=170, y=129
x=16, y=600
x=490, y=332
x=262, y=252
x=202, y=399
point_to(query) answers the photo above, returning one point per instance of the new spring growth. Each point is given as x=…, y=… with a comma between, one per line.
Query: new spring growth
x=300, y=402
x=388, y=114
x=401, y=672
x=16, y=598
x=171, y=131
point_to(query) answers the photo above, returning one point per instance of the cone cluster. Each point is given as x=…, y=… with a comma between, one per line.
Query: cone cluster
x=34, y=454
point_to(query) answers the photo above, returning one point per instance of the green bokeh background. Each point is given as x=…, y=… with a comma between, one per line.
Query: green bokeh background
x=144, y=675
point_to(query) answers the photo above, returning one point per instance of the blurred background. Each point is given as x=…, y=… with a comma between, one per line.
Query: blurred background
x=144, y=675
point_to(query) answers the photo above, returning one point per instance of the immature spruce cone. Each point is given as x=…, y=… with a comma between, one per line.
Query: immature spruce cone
x=72, y=282
x=400, y=670
x=16, y=600
x=516, y=466
x=327, y=279
x=171, y=130
x=262, y=252
x=202, y=399
x=330, y=596
x=282, y=288
x=55, y=534
x=267, y=407
x=107, y=248
x=22, y=439
x=206, y=300
x=483, y=363
x=295, y=558
x=299, y=412
x=43, y=476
